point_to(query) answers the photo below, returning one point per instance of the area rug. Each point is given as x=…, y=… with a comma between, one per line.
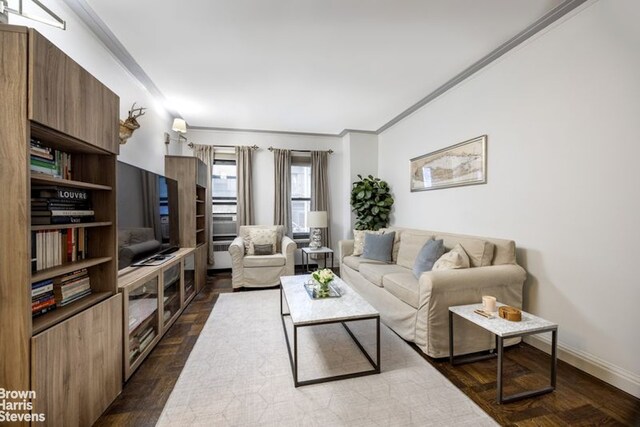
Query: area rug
x=238, y=374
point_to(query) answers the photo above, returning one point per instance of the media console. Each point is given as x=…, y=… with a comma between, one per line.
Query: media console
x=153, y=298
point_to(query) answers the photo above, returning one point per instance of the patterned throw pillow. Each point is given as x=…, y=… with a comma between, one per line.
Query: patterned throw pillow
x=454, y=259
x=358, y=240
x=262, y=236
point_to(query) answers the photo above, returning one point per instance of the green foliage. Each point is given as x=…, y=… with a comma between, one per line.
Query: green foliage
x=371, y=201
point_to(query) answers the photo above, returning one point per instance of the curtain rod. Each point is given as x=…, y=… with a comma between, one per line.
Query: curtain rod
x=253, y=147
x=302, y=151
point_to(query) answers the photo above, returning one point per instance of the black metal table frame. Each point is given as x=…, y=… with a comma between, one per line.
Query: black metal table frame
x=459, y=360
x=305, y=265
x=293, y=357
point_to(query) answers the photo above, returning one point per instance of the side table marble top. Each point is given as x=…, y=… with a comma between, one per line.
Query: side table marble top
x=502, y=327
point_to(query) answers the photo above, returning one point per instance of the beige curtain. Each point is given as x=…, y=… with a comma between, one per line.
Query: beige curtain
x=320, y=189
x=244, y=187
x=282, y=177
x=206, y=154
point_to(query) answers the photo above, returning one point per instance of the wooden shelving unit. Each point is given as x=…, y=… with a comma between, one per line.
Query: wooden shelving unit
x=48, y=97
x=193, y=188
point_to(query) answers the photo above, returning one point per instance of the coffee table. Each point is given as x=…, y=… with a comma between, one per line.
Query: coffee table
x=305, y=312
x=501, y=328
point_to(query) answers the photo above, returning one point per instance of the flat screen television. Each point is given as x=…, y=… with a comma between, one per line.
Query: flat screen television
x=148, y=217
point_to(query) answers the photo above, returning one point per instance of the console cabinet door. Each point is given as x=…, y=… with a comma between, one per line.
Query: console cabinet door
x=76, y=366
x=65, y=97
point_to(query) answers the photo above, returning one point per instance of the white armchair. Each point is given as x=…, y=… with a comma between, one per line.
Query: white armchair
x=261, y=271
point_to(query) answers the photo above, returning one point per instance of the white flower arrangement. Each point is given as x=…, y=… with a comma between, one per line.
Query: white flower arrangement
x=324, y=277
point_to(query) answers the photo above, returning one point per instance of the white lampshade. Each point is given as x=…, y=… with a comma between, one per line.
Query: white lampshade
x=179, y=125
x=317, y=219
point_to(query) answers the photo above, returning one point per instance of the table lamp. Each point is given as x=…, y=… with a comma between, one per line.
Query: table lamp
x=316, y=220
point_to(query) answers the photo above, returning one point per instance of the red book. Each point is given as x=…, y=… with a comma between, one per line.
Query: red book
x=69, y=244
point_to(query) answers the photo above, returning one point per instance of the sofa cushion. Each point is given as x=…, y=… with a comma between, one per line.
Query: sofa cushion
x=410, y=245
x=480, y=251
x=428, y=255
x=396, y=241
x=378, y=247
x=275, y=260
x=358, y=240
x=375, y=272
x=404, y=286
x=356, y=261
x=454, y=259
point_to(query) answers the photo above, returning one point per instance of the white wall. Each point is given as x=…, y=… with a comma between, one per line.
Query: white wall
x=361, y=158
x=145, y=148
x=263, y=173
x=561, y=114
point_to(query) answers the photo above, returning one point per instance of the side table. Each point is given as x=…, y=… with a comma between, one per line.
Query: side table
x=322, y=250
x=501, y=328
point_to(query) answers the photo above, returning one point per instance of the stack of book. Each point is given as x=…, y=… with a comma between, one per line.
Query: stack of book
x=49, y=161
x=59, y=205
x=71, y=287
x=42, y=297
x=54, y=247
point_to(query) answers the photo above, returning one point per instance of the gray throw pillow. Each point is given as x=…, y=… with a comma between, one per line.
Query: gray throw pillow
x=378, y=246
x=266, y=249
x=428, y=255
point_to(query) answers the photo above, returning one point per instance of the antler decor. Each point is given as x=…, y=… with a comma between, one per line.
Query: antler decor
x=130, y=124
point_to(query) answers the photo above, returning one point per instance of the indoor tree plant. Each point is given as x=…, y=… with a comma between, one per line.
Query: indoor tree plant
x=371, y=201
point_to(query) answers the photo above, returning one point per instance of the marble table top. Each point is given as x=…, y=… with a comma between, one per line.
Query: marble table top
x=304, y=310
x=320, y=250
x=500, y=326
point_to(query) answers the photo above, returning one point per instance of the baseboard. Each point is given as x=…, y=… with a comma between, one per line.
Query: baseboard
x=607, y=372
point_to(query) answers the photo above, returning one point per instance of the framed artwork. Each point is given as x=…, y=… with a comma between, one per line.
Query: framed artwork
x=461, y=164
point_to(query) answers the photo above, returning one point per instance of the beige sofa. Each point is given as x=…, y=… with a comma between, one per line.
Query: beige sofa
x=259, y=271
x=417, y=309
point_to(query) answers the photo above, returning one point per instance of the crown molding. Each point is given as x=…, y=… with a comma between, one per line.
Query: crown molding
x=542, y=23
x=100, y=29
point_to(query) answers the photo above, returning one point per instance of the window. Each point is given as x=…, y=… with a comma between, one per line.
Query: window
x=300, y=196
x=224, y=200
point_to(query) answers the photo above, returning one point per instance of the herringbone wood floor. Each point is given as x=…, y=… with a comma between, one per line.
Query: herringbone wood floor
x=580, y=399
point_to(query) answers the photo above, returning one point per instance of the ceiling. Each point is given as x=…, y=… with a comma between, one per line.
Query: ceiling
x=308, y=65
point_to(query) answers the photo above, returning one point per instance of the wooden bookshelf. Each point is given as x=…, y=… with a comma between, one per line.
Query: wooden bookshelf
x=56, y=316
x=49, y=97
x=67, y=267
x=77, y=225
x=44, y=179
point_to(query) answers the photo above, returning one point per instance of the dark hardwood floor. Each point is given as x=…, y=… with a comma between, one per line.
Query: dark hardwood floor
x=579, y=400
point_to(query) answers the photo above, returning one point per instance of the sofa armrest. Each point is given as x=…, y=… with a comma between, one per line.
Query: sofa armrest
x=289, y=250
x=470, y=283
x=345, y=248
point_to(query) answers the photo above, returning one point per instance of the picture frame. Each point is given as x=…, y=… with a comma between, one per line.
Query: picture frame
x=455, y=166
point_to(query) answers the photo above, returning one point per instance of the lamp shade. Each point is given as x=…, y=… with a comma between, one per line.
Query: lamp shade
x=179, y=125
x=317, y=219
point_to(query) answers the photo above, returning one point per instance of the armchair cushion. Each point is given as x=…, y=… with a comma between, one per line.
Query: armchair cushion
x=262, y=236
x=275, y=260
x=245, y=231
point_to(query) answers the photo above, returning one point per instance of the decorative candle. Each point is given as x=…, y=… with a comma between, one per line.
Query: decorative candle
x=489, y=303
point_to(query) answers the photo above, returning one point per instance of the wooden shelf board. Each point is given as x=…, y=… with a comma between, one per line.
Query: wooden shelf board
x=43, y=178
x=199, y=230
x=76, y=225
x=199, y=201
x=56, y=316
x=60, y=141
x=68, y=267
x=199, y=216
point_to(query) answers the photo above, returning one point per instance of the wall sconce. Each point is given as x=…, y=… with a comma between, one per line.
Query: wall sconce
x=179, y=126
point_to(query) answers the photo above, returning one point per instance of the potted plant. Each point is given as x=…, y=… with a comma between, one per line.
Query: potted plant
x=371, y=201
